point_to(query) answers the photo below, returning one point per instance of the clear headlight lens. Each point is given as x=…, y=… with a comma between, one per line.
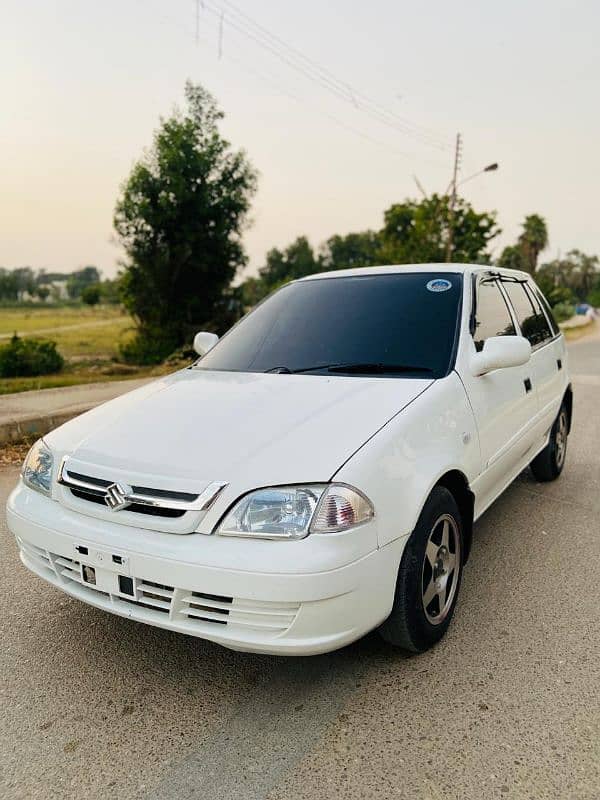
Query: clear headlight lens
x=292, y=512
x=37, y=468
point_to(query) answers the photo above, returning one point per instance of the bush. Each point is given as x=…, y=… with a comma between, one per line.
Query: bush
x=29, y=357
x=148, y=347
x=593, y=298
x=563, y=311
x=90, y=295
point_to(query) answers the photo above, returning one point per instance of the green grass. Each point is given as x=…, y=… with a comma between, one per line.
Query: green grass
x=88, y=338
x=90, y=333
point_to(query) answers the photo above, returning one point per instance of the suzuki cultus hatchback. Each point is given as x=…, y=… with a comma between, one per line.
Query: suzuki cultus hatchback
x=317, y=472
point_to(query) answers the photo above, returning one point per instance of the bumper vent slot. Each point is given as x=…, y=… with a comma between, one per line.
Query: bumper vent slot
x=189, y=611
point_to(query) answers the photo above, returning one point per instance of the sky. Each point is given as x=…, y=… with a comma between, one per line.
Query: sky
x=83, y=85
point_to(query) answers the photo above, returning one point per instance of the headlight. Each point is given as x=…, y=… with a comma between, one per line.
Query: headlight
x=292, y=512
x=37, y=468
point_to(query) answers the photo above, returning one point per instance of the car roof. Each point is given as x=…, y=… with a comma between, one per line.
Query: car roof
x=392, y=269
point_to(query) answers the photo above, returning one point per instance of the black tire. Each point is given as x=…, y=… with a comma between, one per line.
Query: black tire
x=412, y=625
x=548, y=464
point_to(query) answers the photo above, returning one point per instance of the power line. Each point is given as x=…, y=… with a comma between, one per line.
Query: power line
x=315, y=109
x=352, y=93
x=318, y=75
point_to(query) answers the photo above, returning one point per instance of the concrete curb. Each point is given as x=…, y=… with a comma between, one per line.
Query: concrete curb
x=35, y=425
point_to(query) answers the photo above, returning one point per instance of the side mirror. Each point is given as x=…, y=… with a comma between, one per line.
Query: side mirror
x=499, y=352
x=204, y=341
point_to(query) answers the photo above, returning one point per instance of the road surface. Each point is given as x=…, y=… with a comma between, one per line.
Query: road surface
x=507, y=706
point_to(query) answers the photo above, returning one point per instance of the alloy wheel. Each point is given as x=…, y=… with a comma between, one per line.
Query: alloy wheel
x=561, y=439
x=441, y=567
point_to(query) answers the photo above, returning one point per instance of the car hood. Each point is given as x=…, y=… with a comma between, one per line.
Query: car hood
x=249, y=429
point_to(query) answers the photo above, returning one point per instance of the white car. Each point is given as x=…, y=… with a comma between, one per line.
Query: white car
x=314, y=475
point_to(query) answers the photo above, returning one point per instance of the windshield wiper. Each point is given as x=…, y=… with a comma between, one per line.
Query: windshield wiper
x=376, y=368
x=366, y=368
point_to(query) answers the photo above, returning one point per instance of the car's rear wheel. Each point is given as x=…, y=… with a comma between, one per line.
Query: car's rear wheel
x=429, y=577
x=548, y=464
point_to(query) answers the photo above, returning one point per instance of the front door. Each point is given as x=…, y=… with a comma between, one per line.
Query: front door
x=504, y=401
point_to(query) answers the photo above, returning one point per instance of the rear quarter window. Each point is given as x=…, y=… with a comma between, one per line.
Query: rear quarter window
x=532, y=321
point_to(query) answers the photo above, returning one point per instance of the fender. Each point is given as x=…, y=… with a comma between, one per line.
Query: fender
x=397, y=468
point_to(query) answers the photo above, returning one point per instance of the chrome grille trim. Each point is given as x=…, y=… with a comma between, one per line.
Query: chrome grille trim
x=155, y=498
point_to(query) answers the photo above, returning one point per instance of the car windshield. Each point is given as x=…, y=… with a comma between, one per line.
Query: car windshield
x=399, y=324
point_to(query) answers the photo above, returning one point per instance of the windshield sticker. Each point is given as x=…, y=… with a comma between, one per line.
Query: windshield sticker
x=439, y=285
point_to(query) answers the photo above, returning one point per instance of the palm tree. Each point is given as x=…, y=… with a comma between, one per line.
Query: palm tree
x=533, y=240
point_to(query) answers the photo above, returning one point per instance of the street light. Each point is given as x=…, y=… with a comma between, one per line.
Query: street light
x=490, y=168
x=454, y=186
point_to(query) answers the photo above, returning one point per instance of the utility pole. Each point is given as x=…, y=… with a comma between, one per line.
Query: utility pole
x=457, y=156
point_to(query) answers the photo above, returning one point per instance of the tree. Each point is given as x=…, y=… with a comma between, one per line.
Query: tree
x=180, y=218
x=417, y=232
x=532, y=241
x=511, y=257
x=295, y=261
x=91, y=294
x=352, y=250
x=79, y=280
x=571, y=278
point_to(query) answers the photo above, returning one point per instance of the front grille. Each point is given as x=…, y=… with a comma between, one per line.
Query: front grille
x=193, y=611
x=137, y=508
x=95, y=489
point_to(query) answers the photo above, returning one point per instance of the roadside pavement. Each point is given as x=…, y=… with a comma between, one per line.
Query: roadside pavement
x=28, y=414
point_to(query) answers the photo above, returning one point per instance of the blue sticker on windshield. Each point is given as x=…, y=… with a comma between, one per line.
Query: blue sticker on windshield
x=439, y=285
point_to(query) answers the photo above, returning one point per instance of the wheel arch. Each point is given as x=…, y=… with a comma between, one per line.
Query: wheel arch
x=457, y=484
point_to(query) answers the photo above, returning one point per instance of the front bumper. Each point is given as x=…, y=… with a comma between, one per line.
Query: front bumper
x=225, y=590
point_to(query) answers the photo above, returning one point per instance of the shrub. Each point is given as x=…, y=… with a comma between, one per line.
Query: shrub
x=90, y=295
x=148, y=347
x=594, y=298
x=563, y=311
x=29, y=357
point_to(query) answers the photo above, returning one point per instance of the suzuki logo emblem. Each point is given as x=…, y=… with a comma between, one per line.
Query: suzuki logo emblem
x=116, y=497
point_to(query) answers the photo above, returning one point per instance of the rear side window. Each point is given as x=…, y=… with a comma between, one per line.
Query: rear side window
x=530, y=316
x=545, y=305
x=492, y=317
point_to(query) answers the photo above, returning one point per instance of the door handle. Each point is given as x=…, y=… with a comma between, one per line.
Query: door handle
x=527, y=383
x=559, y=363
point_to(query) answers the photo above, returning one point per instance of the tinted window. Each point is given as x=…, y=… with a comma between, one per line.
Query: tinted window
x=492, y=317
x=389, y=321
x=532, y=321
x=553, y=324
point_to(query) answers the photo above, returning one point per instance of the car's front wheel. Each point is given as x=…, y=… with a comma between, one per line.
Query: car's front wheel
x=548, y=464
x=429, y=577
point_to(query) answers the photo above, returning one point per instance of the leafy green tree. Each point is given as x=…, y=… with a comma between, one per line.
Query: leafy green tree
x=533, y=239
x=511, y=257
x=417, y=232
x=91, y=294
x=352, y=250
x=180, y=218
x=571, y=278
x=79, y=280
x=42, y=292
x=110, y=291
x=295, y=261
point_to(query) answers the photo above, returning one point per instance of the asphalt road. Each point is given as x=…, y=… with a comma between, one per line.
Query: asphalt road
x=507, y=706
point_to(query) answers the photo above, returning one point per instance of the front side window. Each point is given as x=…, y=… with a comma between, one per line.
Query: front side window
x=400, y=324
x=530, y=316
x=492, y=317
